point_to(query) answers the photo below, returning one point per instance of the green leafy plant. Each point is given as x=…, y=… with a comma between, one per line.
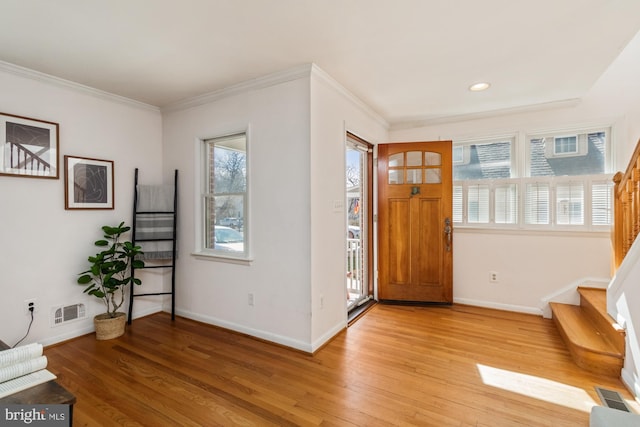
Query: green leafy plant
x=110, y=270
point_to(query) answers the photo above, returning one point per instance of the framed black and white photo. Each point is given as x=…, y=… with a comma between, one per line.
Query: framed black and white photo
x=29, y=147
x=88, y=183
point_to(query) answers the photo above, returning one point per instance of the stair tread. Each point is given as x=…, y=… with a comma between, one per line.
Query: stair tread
x=597, y=297
x=581, y=331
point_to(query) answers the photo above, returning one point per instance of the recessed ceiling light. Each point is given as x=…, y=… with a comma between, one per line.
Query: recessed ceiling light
x=477, y=87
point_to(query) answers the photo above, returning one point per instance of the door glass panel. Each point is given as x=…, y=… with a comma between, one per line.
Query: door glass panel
x=414, y=158
x=414, y=176
x=432, y=176
x=396, y=160
x=357, y=183
x=432, y=159
x=395, y=176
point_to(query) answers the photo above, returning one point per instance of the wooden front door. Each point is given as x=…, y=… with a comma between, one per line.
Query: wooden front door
x=415, y=222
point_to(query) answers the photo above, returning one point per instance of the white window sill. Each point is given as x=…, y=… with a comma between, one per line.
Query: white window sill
x=603, y=232
x=220, y=257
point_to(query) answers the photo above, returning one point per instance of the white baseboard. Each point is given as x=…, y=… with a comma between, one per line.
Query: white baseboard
x=499, y=306
x=88, y=328
x=317, y=344
x=67, y=336
x=631, y=382
x=268, y=336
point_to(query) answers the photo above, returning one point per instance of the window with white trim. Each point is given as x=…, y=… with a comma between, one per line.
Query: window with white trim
x=224, y=196
x=564, y=184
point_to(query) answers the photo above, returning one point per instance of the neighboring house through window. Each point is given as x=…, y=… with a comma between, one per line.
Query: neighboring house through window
x=564, y=183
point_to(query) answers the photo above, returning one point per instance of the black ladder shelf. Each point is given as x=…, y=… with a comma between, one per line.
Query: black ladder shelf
x=140, y=236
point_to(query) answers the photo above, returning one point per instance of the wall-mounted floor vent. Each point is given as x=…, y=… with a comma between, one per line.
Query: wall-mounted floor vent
x=68, y=313
x=612, y=399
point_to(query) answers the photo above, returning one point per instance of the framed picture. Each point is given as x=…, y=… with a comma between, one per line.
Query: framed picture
x=29, y=147
x=88, y=183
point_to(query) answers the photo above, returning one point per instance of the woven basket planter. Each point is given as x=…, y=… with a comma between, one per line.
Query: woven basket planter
x=109, y=327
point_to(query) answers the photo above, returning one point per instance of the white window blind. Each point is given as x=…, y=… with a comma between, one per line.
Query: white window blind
x=601, y=202
x=570, y=203
x=506, y=204
x=536, y=203
x=457, y=203
x=478, y=203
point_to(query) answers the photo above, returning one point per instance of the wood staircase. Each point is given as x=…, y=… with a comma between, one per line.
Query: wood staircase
x=596, y=342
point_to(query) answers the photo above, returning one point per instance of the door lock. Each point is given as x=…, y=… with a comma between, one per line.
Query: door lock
x=448, y=231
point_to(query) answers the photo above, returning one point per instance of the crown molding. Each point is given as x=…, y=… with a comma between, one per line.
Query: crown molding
x=242, y=87
x=324, y=76
x=67, y=84
x=410, y=124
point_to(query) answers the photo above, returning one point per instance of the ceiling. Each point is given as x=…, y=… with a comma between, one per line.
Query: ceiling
x=407, y=59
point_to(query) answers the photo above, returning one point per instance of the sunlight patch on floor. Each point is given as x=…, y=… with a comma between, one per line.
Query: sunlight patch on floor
x=537, y=388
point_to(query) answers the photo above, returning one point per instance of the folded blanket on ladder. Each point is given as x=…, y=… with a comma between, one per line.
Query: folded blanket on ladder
x=155, y=198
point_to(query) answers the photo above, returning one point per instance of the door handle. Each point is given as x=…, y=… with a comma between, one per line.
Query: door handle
x=448, y=231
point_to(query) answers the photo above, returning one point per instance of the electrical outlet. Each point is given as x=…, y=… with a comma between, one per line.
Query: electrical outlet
x=250, y=299
x=493, y=277
x=28, y=304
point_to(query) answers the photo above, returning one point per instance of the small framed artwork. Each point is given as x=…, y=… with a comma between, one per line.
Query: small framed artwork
x=28, y=147
x=88, y=183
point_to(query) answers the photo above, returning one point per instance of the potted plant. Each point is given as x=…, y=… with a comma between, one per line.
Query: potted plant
x=108, y=277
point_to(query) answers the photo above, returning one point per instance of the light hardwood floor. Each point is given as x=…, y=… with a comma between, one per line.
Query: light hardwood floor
x=397, y=365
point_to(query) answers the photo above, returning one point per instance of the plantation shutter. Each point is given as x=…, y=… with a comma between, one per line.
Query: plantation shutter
x=536, y=203
x=478, y=203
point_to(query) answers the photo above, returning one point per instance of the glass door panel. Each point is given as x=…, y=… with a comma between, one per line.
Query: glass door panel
x=356, y=242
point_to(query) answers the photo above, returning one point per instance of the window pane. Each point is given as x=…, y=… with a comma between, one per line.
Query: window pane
x=570, y=203
x=485, y=161
x=536, y=203
x=396, y=160
x=433, y=176
x=225, y=220
x=414, y=158
x=601, y=194
x=432, y=159
x=225, y=200
x=396, y=177
x=589, y=157
x=478, y=204
x=506, y=204
x=414, y=176
x=565, y=144
x=229, y=171
x=458, y=154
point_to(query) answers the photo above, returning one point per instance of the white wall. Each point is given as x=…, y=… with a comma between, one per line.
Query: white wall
x=334, y=111
x=614, y=100
x=43, y=247
x=530, y=265
x=623, y=303
x=297, y=122
x=559, y=258
x=276, y=111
